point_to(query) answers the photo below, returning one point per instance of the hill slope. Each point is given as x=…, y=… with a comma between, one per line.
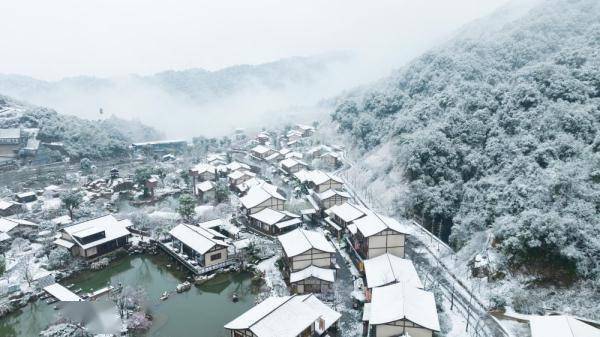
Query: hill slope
x=106, y=138
x=499, y=133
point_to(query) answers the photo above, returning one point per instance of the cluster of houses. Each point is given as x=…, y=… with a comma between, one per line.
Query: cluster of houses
x=395, y=302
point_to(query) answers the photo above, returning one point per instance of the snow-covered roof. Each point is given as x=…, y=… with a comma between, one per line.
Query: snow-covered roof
x=259, y=194
x=260, y=149
x=285, y=151
x=237, y=174
x=64, y=243
x=291, y=162
x=330, y=154
x=268, y=216
x=300, y=240
x=197, y=238
x=319, y=177
x=108, y=224
x=273, y=156
x=205, y=186
x=294, y=154
x=212, y=223
x=284, y=316
x=324, y=274
x=236, y=166
x=10, y=133
x=561, y=326
x=398, y=301
x=374, y=223
x=331, y=193
x=61, y=293
x=203, y=168
x=8, y=224
x=288, y=223
x=303, y=175
x=4, y=236
x=386, y=269
x=4, y=205
x=348, y=211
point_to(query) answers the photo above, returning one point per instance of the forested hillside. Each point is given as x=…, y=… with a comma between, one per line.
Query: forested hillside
x=107, y=138
x=499, y=132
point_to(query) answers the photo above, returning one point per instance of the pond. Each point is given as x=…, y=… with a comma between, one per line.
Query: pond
x=203, y=309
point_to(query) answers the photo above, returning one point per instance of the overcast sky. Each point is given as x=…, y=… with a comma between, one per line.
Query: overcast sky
x=59, y=38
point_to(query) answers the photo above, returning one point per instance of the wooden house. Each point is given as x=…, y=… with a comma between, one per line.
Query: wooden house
x=261, y=152
x=203, y=245
x=291, y=165
x=205, y=191
x=303, y=249
x=10, y=142
x=239, y=176
x=305, y=130
x=330, y=198
x=260, y=197
x=24, y=197
x=274, y=222
x=375, y=234
x=8, y=208
x=320, y=181
x=9, y=227
x=344, y=214
x=288, y=316
x=203, y=172
x=330, y=159
x=399, y=310
x=95, y=237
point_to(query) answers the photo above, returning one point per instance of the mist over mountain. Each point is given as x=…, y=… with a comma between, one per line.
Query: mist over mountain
x=496, y=131
x=196, y=101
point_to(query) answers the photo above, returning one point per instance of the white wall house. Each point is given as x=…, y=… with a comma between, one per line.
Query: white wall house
x=375, y=234
x=95, y=237
x=260, y=197
x=206, y=246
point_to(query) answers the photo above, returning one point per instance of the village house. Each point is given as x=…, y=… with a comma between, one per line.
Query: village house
x=330, y=198
x=95, y=237
x=221, y=226
x=291, y=165
x=203, y=172
x=344, y=214
x=160, y=147
x=239, y=176
x=261, y=152
x=288, y=316
x=204, y=246
x=399, y=309
x=263, y=138
x=205, y=191
x=11, y=141
x=375, y=234
x=274, y=222
x=234, y=166
x=330, y=159
x=320, y=181
x=294, y=154
x=303, y=249
x=24, y=197
x=216, y=159
x=305, y=130
x=317, y=151
x=561, y=326
x=152, y=184
x=388, y=269
x=276, y=156
x=244, y=187
x=260, y=197
x=9, y=226
x=8, y=208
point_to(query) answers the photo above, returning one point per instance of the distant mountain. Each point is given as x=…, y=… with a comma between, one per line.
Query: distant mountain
x=195, y=101
x=497, y=131
x=100, y=139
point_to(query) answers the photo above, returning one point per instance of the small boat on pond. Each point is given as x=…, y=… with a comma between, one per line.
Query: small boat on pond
x=185, y=286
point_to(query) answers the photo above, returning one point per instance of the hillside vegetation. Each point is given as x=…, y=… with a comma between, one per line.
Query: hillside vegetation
x=500, y=132
x=107, y=138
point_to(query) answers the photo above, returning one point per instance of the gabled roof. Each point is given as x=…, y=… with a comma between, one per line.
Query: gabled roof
x=348, y=211
x=284, y=316
x=237, y=174
x=7, y=224
x=203, y=168
x=259, y=194
x=324, y=274
x=386, y=269
x=260, y=149
x=300, y=240
x=205, y=186
x=111, y=227
x=197, y=238
x=398, y=301
x=268, y=216
x=273, y=156
x=236, y=166
x=561, y=326
x=331, y=192
x=374, y=223
x=7, y=204
x=291, y=162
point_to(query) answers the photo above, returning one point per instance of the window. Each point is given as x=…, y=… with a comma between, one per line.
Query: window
x=215, y=256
